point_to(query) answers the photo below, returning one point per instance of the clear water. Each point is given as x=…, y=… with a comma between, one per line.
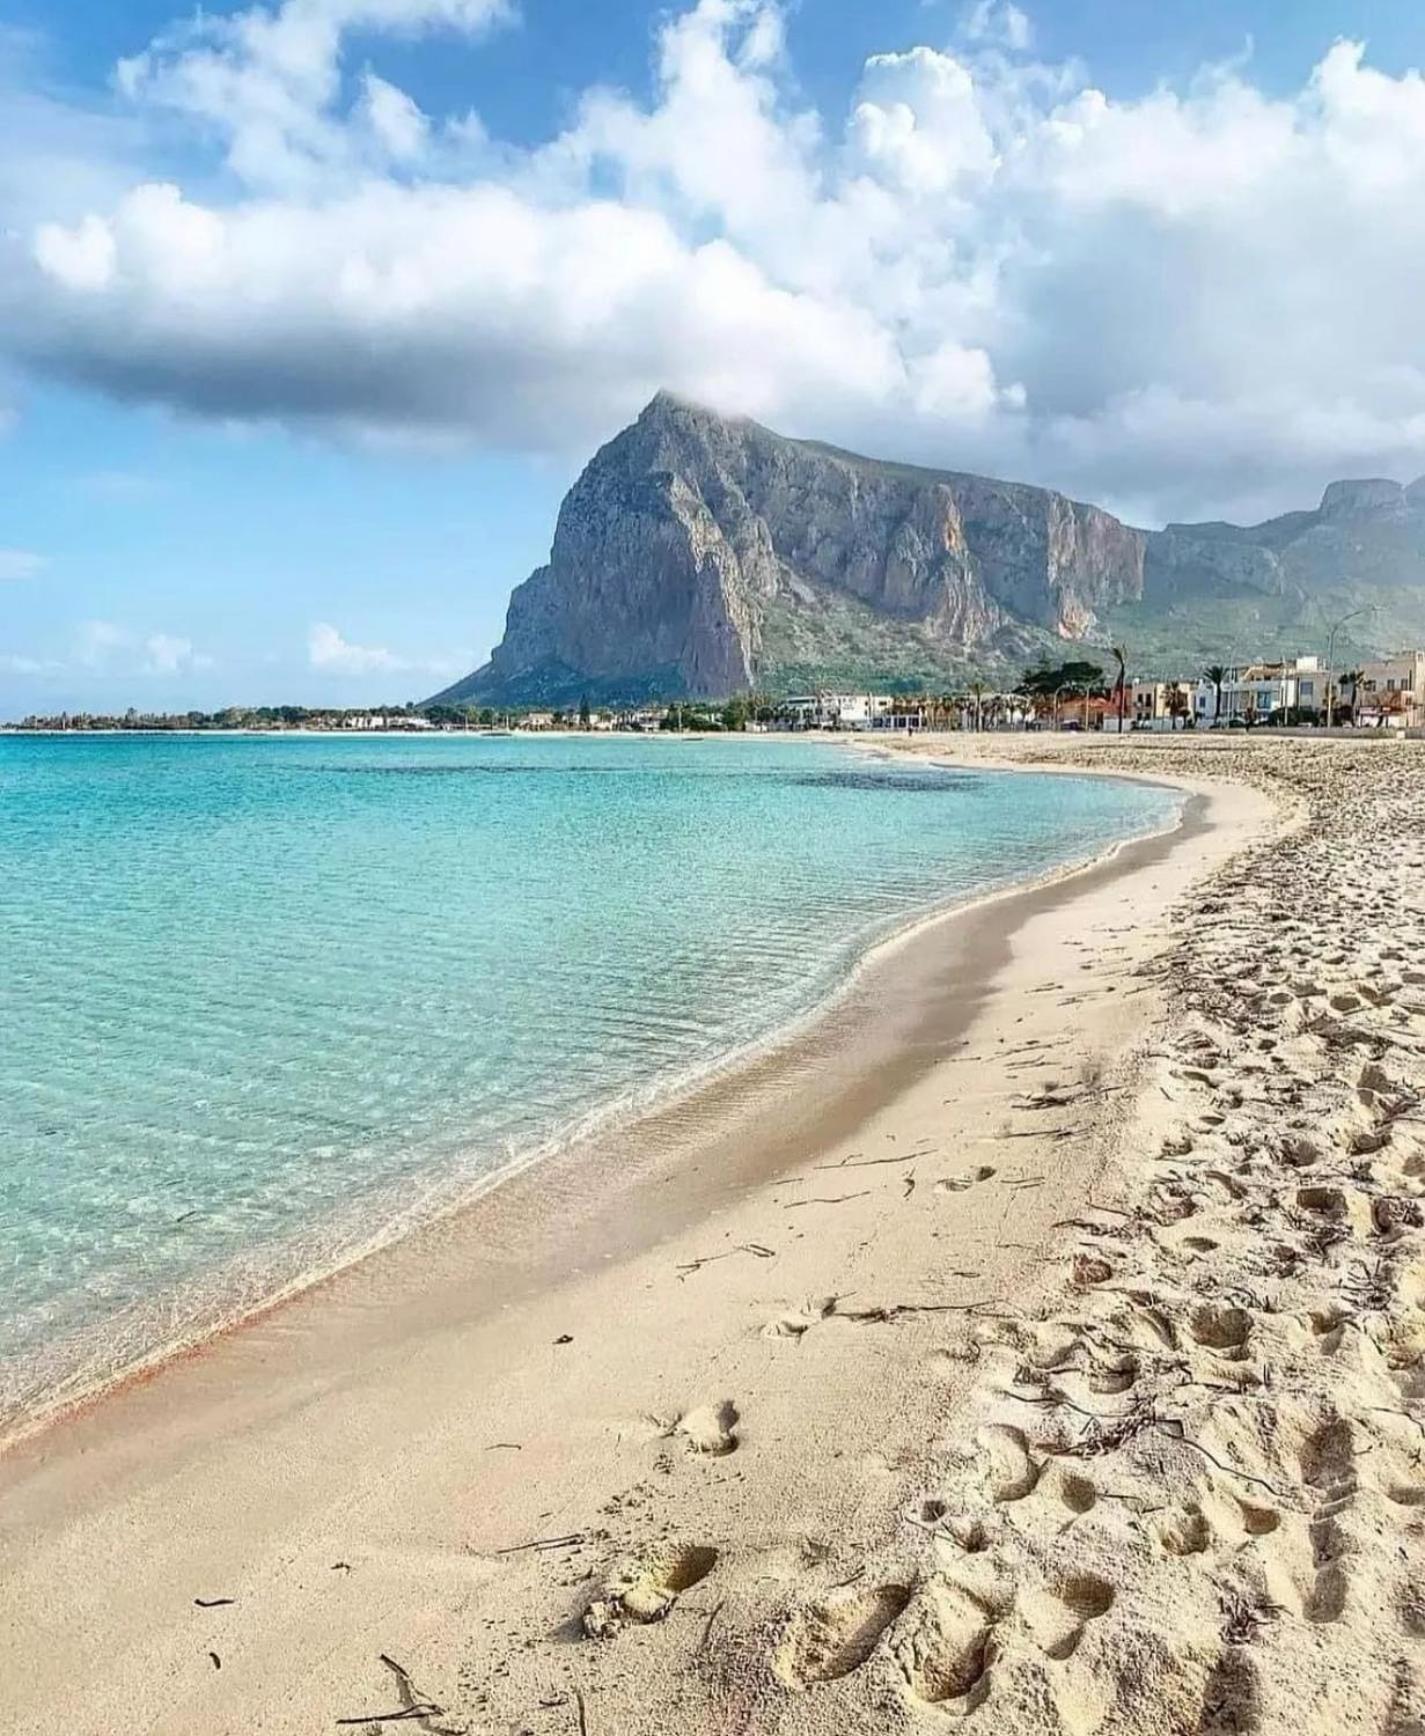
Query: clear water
x=260, y=998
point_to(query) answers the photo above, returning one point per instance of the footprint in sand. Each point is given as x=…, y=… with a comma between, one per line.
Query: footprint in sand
x=1299, y=1150
x=1089, y=1270
x=1323, y=1202
x=945, y=1657
x=644, y=1589
x=1328, y=1470
x=1077, y=1493
x=1005, y=1464
x=1184, y=1531
x=1224, y=1329
x=711, y=1429
x=827, y=1640
x=1113, y=1372
x=1059, y=1616
x=1231, y=1697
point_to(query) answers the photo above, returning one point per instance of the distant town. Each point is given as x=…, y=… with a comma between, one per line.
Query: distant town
x=1299, y=692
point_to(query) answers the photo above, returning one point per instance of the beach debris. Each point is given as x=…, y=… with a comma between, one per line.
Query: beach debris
x=571, y=1540
x=796, y=1322
x=856, y=1161
x=415, y=1706
x=756, y=1249
x=213, y=1602
x=217, y=1661
x=883, y=1314
x=565, y=1338
x=709, y=1624
x=828, y=1200
x=1242, y=1619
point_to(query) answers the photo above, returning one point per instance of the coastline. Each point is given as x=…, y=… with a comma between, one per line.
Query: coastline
x=583, y=1142
x=318, y=1379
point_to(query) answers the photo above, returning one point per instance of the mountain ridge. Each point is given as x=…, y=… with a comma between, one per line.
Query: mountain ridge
x=699, y=555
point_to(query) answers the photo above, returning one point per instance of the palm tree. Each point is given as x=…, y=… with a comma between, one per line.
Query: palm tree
x=978, y=689
x=1122, y=661
x=1353, y=679
x=1217, y=675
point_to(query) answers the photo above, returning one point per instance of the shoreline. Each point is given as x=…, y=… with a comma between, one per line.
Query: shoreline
x=455, y=1329
x=582, y=1140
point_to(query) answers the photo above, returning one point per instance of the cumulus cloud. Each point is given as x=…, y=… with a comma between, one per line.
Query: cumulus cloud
x=20, y=564
x=326, y=649
x=1196, y=301
x=108, y=647
x=330, y=651
x=267, y=82
x=168, y=652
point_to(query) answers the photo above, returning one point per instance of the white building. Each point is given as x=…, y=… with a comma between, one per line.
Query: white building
x=836, y=710
x=1156, y=705
x=1257, y=692
x=1391, y=692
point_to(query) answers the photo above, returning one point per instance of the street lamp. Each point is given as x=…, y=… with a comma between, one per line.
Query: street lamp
x=1365, y=609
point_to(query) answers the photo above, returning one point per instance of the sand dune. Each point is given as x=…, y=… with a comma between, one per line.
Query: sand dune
x=1074, y=1386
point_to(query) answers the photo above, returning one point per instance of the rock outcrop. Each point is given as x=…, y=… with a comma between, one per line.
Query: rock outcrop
x=701, y=555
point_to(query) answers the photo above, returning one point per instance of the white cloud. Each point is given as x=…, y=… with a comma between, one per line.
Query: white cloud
x=268, y=81
x=81, y=258
x=1199, y=300
x=998, y=21
x=20, y=564
x=97, y=641
x=397, y=124
x=442, y=310
x=167, y=653
x=330, y=651
x=326, y=649
x=105, y=646
x=14, y=664
x=919, y=126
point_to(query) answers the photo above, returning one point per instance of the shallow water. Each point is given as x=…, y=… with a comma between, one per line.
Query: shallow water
x=261, y=998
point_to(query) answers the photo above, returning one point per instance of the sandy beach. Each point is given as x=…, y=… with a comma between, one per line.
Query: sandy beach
x=1034, y=1342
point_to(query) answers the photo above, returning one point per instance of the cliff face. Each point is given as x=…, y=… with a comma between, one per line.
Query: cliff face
x=1364, y=534
x=695, y=554
x=702, y=556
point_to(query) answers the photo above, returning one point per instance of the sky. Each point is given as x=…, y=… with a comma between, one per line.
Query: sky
x=311, y=310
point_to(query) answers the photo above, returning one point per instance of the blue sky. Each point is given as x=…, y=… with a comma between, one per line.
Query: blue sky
x=310, y=313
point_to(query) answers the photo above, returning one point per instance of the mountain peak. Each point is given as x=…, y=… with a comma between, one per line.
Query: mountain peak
x=1362, y=497
x=665, y=404
x=701, y=554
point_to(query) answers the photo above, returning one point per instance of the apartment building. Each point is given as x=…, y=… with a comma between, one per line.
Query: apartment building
x=1390, y=693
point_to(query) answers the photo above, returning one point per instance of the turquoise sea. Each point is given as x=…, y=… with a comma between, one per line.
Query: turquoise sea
x=262, y=999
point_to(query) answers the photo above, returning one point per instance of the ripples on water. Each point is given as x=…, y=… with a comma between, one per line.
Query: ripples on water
x=262, y=995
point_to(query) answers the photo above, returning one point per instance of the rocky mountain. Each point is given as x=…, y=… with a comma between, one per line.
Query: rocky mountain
x=700, y=555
